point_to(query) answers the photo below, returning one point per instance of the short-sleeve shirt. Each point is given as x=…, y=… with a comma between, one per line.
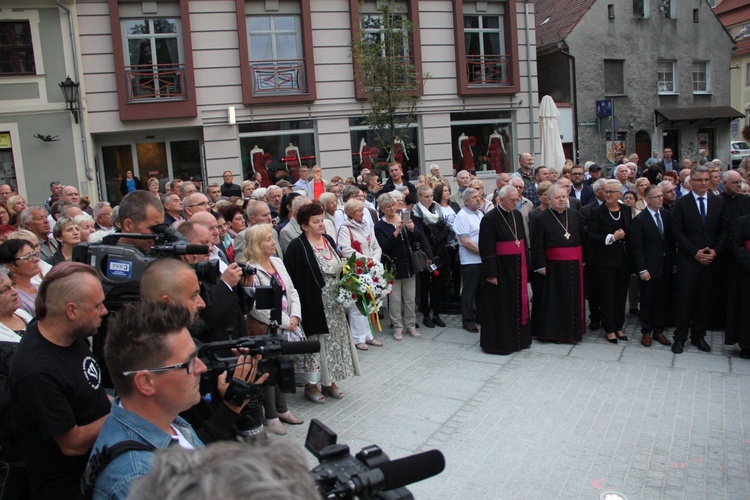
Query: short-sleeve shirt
x=467, y=224
x=53, y=389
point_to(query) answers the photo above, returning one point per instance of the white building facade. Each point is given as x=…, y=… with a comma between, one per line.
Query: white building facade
x=195, y=88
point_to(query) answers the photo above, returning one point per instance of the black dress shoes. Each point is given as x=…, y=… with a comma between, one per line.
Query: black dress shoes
x=701, y=344
x=679, y=346
x=427, y=322
x=439, y=322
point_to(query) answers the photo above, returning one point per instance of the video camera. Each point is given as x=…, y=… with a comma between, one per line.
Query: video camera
x=120, y=267
x=219, y=357
x=369, y=474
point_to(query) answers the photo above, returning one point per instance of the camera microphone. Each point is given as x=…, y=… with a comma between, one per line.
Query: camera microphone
x=301, y=347
x=391, y=475
x=403, y=471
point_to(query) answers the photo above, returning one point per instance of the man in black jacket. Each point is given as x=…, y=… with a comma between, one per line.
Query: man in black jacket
x=653, y=250
x=701, y=230
x=396, y=180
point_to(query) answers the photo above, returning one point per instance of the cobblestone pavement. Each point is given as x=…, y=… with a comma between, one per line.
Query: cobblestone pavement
x=553, y=421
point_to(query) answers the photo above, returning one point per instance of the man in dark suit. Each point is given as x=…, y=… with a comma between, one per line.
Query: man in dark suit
x=652, y=248
x=573, y=202
x=701, y=230
x=580, y=190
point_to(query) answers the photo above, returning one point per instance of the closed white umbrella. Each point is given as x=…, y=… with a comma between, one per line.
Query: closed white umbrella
x=552, y=155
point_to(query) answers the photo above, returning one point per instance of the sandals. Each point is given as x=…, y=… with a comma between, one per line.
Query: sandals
x=362, y=346
x=317, y=398
x=374, y=342
x=398, y=335
x=332, y=391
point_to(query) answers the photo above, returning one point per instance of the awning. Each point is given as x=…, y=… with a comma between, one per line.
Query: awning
x=693, y=115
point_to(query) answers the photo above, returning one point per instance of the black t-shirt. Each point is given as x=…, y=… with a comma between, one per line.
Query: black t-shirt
x=53, y=389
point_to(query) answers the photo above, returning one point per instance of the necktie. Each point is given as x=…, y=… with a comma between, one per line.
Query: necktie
x=702, y=206
x=659, y=224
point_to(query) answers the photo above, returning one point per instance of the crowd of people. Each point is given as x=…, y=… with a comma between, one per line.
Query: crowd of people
x=667, y=241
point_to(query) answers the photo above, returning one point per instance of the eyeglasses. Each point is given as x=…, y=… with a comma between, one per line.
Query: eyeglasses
x=201, y=204
x=611, y=192
x=32, y=255
x=6, y=289
x=657, y=196
x=189, y=366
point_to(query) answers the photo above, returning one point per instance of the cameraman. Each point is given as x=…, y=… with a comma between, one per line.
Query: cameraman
x=224, y=316
x=156, y=372
x=169, y=280
x=138, y=213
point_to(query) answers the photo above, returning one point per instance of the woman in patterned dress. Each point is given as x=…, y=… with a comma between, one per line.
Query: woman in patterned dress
x=315, y=269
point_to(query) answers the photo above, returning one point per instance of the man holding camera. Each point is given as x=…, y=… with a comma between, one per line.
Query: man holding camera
x=173, y=281
x=139, y=212
x=224, y=316
x=156, y=371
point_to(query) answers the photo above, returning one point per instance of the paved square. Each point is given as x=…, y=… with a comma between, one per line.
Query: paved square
x=553, y=421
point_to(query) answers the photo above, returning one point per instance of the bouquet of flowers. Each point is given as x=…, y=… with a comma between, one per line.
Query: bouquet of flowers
x=365, y=283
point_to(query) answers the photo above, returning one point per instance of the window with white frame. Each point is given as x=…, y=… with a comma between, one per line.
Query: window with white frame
x=640, y=8
x=276, y=60
x=485, y=49
x=665, y=77
x=701, y=77
x=154, y=56
x=668, y=8
x=391, y=35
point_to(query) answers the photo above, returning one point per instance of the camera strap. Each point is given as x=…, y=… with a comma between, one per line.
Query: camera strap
x=102, y=458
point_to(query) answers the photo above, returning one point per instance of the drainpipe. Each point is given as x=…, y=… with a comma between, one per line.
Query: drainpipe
x=84, y=145
x=528, y=69
x=574, y=93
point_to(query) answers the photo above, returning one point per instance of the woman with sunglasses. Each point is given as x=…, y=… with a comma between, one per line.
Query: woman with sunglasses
x=22, y=261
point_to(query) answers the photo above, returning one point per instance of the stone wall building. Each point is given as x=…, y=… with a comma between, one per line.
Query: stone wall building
x=663, y=64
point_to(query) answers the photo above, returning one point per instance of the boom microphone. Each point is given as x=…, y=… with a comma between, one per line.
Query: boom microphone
x=302, y=347
x=403, y=471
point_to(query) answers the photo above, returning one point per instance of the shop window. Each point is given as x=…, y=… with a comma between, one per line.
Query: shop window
x=276, y=150
x=368, y=151
x=482, y=142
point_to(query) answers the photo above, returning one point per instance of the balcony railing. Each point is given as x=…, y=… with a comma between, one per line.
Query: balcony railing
x=155, y=82
x=281, y=76
x=490, y=70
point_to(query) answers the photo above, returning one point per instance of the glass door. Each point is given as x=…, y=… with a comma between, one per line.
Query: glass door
x=117, y=160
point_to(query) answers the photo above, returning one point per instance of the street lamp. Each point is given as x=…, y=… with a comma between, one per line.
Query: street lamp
x=70, y=91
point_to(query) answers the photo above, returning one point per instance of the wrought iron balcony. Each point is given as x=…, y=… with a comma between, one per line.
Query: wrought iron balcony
x=280, y=76
x=489, y=70
x=155, y=82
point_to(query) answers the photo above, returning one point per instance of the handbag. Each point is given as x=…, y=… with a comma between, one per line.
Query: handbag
x=418, y=258
x=255, y=327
